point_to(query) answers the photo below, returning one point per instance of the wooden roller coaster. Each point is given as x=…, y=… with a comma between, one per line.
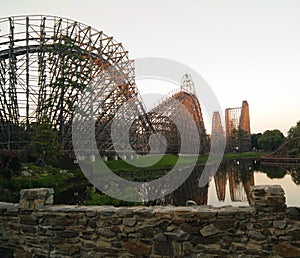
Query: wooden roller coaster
x=281, y=155
x=47, y=62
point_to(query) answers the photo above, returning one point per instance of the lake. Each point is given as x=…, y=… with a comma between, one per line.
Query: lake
x=231, y=184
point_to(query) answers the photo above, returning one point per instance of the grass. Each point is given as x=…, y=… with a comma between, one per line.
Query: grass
x=168, y=161
x=47, y=176
x=162, y=165
x=244, y=155
x=156, y=167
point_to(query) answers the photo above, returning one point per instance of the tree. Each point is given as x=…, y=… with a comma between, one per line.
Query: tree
x=45, y=142
x=9, y=164
x=294, y=131
x=271, y=140
x=273, y=171
x=254, y=140
x=294, y=145
x=239, y=140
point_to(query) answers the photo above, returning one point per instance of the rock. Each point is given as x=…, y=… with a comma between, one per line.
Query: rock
x=163, y=248
x=293, y=212
x=279, y=224
x=257, y=235
x=67, y=234
x=170, y=228
x=160, y=238
x=25, y=173
x=189, y=229
x=187, y=246
x=213, y=247
x=294, y=232
x=286, y=250
x=209, y=230
x=32, y=199
x=164, y=214
x=130, y=222
x=176, y=236
x=144, y=212
x=238, y=246
x=267, y=197
x=253, y=247
x=124, y=213
x=106, y=232
x=190, y=203
x=103, y=244
x=137, y=248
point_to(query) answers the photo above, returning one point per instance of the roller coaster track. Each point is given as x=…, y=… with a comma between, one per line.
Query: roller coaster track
x=280, y=155
x=169, y=107
x=46, y=62
x=46, y=65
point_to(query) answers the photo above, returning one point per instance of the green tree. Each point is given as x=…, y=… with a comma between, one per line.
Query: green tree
x=254, y=140
x=271, y=140
x=294, y=131
x=240, y=140
x=45, y=142
x=273, y=171
x=294, y=145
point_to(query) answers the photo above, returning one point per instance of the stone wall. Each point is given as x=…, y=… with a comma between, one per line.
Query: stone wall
x=35, y=228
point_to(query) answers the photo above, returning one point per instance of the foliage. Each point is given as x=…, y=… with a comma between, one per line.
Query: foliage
x=271, y=140
x=294, y=131
x=96, y=198
x=240, y=140
x=273, y=171
x=47, y=176
x=45, y=143
x=295, y=173
x=245, y=155
x=294, y=145
x=9, y=165
x=254, y=140
x=10, y=132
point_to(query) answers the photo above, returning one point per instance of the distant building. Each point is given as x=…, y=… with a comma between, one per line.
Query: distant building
x=238, y=132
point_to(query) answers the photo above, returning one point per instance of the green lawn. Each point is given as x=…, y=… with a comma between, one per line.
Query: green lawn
x=53, y=177
x=168, y=161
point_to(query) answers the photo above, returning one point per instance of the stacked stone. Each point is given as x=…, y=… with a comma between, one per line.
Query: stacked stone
x=267, y=198
x=32, y=199
x=106, y=231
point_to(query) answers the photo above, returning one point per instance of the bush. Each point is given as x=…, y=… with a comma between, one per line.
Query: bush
x=10, y=165
x=103, y=199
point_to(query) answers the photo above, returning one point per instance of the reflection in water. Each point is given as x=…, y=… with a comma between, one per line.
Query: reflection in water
x=234, y=176
x=240, y=176
x=280, y=171
x=189, y=190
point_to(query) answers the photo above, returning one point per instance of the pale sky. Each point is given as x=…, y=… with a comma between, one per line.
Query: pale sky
x=245, y=49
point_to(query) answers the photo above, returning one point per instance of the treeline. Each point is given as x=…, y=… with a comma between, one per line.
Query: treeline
x=270, y=140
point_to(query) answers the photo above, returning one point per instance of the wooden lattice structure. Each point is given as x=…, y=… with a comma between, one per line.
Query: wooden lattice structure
x=46, y=66
x=182, y=105
x=240, y=178
x=281, y=155
x=238, y=128
x=46, y=62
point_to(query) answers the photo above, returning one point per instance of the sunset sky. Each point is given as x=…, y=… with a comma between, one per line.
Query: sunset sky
x=245, y=50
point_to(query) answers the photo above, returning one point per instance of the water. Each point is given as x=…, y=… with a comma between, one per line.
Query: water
x=231, y=184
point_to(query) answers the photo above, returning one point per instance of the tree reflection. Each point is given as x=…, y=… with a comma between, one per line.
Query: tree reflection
x=189, y=190
x=279, y=171
x=273, y=171
x=238, y=174
x=295, y=173
x=235, y=175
